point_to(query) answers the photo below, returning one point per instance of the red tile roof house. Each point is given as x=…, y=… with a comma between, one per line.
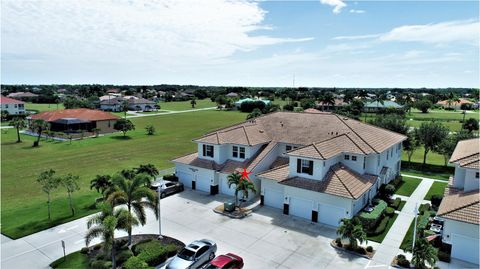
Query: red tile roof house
x=460, y=207
x=12, y=106
x=74, y=120
x=319, y=166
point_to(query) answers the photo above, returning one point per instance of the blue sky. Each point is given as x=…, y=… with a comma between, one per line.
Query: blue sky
x=325, y=43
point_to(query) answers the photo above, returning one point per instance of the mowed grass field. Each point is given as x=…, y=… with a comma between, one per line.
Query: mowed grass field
x=24, y=208
x=43, y=107
x=185, y=105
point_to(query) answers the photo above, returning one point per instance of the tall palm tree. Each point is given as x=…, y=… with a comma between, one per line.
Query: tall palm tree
x=352, y=230
x=379, y=99
x=135, y=195
x=148, y=169
x=18, y=123
x=329, y=99
x=234, y=179
x=245, y=186
x=424, y=252
x=101, y=183
x=39, y=126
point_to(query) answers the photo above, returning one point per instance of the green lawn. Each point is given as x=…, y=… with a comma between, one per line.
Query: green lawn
x=408, y=239
x=407, y=186
x=427, y=174
x=24, y=208
x=402, y=204
x=75, y=260
x=417, y=157
x=379, y=238
x=43, y=107
x=437, y=188
x=185, y=105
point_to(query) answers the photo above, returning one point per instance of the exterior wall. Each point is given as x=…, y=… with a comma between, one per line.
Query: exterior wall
x=196, y=174
x=471, y=183
x=393, y=162
x=106, y=126
x=459, y=177
x=13, y=109
x=222, y=153
x=142, y=106
x=357, y=165
x=317, y=168
x=114, y=108
x=457, y=227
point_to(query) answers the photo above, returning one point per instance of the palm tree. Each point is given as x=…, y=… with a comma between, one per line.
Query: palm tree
x=18, y=123
x=135, y=195
x=245, y=186
x=328, y=99
x=106, y=222
x=148, y=169
x=424, y=252
x=378, y=99
x=234, y=179
x=39, y=126
x=101, y=183
x=352, y=230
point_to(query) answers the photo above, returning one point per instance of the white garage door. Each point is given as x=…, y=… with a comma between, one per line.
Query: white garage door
x=465, y=248
x=185, y=177
x=273, y=198
x=203, y=183
x=224, y=187
x=300, y=208
x=330, y=215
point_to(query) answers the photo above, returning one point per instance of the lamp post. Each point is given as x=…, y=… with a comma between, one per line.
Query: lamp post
x=159, y=190
x=415, y=211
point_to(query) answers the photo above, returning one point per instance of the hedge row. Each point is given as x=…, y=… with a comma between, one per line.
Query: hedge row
x=153, y=252
x=371, y=219
x=380, y=228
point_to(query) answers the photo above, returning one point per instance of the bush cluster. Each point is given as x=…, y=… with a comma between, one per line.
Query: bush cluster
x=123, y=256
x=402, y=261
x=389, y=212
x=171, y=177
x=100, y=264
x=396, y=203
x=436, y=200
x=250, y=106
x=371, y=219
x=380, y=228
x=135, y=263
x=153, y=252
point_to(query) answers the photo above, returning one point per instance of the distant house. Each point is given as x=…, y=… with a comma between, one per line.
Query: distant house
x=460, y=207
x=112, y=104
x=339, y=103
x=25, y=96
x=12, y=106
x=74, y=120
x=238, y=103
x=455, y=104
x=134, y=103
x=113, y=91
x=376, y=105
x=232, y=95
x=141, y=104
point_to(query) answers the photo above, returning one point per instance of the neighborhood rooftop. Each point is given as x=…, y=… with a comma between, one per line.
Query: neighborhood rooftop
x=7, y=100
x=467, y=153
x=461, y=206
x=79, y=113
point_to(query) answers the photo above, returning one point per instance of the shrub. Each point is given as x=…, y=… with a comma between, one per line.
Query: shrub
x=423, y=220
x=424, y=207
x=123, y=256
x=396, y=203
x=380, y=228
x=436, y=200
x=371, y=219
x=288, y=107
x=97, y=247
x=370, y=249
x=389, y=189
x=100, y=264
x=171, y=177
x=135, y=263
x=397, y=180
x=361, y=251
x=375, y=201
x=389, y=212
x=338, y=242
x=153, y=252
x=443, y=256
x=84, y=250
x=150, y=129
x=403, y=263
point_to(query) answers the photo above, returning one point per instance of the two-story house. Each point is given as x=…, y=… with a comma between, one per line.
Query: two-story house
x=460, y=207
x=319, y=166
x=12, y=106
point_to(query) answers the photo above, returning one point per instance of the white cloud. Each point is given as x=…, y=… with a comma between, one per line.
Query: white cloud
x=337, y=4
x=356, y=37
x=444, y=32
x=357, y=11
x=167, y=33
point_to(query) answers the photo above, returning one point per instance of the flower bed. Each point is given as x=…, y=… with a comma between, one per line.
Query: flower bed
x=360, y=251
x=238, y=213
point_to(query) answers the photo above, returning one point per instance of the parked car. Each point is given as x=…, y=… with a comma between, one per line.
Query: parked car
x=195, y=255
x=227, y=261
x=168, y=187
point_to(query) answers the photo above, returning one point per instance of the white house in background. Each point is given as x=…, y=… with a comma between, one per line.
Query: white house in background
x=460, y=208
x=318, y=166
x=12, y=106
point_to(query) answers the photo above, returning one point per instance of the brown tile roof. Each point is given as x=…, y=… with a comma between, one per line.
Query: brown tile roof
x=459, y=102
x=261, y=155
x=331, y=147
x=467, y=153
x=7, y=100
x=339, y=181
x=78, y=113
x=304, y=129
x=461, y=206
x=280, y=161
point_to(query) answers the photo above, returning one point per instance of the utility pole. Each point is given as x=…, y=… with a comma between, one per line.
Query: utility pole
x=159, y=190
x=415, y=211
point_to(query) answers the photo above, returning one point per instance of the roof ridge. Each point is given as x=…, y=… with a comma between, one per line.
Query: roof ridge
x=341, y=181
x=274, y=143
x=464, y=157
x=348, y=126
x=246, y=135
x=315, y=147
x=355, y=144
x=273, y=169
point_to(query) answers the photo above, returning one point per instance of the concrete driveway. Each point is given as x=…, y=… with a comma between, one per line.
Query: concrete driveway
x=266, y=239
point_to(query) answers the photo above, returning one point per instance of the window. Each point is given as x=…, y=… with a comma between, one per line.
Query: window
x=387, y=154
x=354, y=158
x=347, y=157
x=6, y=105
x=288, y=147
x=201, y=251
x=477, y=175
x=208, y=151
x=15, y=105
x=304, y=166
x=242, y=153
x=235, y=152
x=364, y=162
x=378, y=160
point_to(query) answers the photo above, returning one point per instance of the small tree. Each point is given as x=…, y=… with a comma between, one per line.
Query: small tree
x=431, y=134
x=424, y=252
x=245, y=186
x=124, y=125
x=150, y=129
x=70, y=182
x=234, y=179
x=124, y=108
x=49, y=183
x=101, y=183
x=39, y=126
x=411, y=144
x=18, y=123
x=352, y=230
x=254, y=114
x=423, y=105
x=193, y=102
x=446, y=148
x=471, y=125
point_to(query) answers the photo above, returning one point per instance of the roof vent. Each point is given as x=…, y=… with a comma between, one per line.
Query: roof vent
x=261, y=131
x=336, y=133
x=345, y=118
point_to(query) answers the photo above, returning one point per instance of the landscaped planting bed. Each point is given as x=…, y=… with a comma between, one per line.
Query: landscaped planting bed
x=370, y=220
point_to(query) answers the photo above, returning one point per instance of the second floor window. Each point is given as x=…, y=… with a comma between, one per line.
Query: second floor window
x=238, y=152
x=208, y=151
x=477, y=175
x=347, y=157
x=304, y=166
x=354, y=158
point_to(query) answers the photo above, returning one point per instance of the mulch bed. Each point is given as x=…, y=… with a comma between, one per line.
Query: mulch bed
x=238, y=213
x=369, y=255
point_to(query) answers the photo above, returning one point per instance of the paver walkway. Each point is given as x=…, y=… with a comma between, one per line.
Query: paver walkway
x=390, y=246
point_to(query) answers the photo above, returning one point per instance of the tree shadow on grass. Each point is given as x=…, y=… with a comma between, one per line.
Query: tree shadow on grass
x=121, y=137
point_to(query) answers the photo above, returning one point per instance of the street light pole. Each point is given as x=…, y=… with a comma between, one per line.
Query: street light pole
x=415, y=226
x=159, y=190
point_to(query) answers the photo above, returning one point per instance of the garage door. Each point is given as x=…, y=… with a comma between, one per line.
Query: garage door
x=465, y=248
x=185, y=177
x=330, y=215
x=273, y=198
x=224, y=187
x=202, y=182
x=300, y=208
